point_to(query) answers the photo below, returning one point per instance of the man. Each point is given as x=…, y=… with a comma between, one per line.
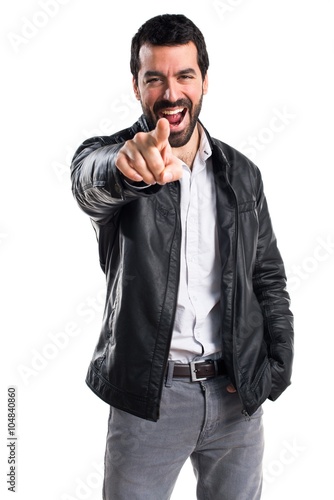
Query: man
x=197, y=331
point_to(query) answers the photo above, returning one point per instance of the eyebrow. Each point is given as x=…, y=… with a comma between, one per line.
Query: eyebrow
x=187, y=71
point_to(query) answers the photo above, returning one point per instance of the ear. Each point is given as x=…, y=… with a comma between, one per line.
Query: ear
x=205, y=84
x=135, y=89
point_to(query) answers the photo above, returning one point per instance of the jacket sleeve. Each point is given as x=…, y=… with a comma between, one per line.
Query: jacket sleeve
x=269, y=281
x=98, y=186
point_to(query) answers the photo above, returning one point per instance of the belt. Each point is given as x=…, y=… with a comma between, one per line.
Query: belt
x=200, y=370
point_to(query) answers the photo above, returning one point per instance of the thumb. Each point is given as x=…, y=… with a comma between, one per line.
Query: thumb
x=161, y=133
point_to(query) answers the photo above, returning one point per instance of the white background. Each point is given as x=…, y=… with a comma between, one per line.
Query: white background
x=65, y=77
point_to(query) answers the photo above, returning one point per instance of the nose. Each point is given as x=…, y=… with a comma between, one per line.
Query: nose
x=171, y=91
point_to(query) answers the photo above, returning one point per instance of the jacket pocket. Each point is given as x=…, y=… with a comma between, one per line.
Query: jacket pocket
x=279, y=384
x=260, y=373
x=262, y=383
x=247, y=206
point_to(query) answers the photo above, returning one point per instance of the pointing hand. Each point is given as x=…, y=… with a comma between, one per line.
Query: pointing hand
x=148, y=157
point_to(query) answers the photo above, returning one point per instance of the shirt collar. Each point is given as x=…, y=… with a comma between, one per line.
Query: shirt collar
x=203, y=153
x=204, y=150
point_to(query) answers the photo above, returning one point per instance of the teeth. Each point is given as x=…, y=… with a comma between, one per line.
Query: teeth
x=175, y=112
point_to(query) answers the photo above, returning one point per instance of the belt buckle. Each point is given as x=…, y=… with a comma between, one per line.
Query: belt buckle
x=193, y=372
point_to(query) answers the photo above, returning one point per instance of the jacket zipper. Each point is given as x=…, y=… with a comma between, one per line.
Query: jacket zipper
x=244, y=411
x=177, y=226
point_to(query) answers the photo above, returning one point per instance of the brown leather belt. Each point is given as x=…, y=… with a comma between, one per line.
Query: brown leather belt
x=200, y=370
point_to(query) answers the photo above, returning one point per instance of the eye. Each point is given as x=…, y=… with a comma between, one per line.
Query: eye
x=154, y=80
x=186, y=77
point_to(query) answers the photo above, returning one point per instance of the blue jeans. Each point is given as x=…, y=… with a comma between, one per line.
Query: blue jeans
x=200, y=420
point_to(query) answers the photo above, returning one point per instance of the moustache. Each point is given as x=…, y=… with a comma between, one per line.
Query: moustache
x=181, y=103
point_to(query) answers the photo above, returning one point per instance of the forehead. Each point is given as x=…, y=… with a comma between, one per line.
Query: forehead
x=168, y=58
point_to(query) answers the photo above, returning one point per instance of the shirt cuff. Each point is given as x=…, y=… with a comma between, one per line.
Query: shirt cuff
x=137, y=185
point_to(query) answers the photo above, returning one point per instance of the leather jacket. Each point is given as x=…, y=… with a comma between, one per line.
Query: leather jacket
x=139, y=236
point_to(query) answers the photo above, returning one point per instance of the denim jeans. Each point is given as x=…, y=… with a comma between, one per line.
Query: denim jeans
x=200, y=420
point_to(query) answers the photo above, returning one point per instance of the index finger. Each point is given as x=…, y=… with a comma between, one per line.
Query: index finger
x=161, y=133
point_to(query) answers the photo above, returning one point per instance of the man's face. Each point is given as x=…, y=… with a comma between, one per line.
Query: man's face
x=170, y=85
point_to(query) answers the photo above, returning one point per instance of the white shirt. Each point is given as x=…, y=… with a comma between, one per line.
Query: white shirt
x=197, y=321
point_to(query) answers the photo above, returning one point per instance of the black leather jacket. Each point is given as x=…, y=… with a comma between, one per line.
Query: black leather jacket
x=139, y=235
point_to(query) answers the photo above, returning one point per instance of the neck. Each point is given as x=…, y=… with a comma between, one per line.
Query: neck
x=188, y=152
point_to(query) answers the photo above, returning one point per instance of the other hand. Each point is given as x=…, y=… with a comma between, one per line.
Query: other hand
x=231, y=389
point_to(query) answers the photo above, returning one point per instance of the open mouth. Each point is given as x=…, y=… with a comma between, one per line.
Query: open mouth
x=174, y=116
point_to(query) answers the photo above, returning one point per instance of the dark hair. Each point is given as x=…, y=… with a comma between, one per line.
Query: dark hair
x=169, y=30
